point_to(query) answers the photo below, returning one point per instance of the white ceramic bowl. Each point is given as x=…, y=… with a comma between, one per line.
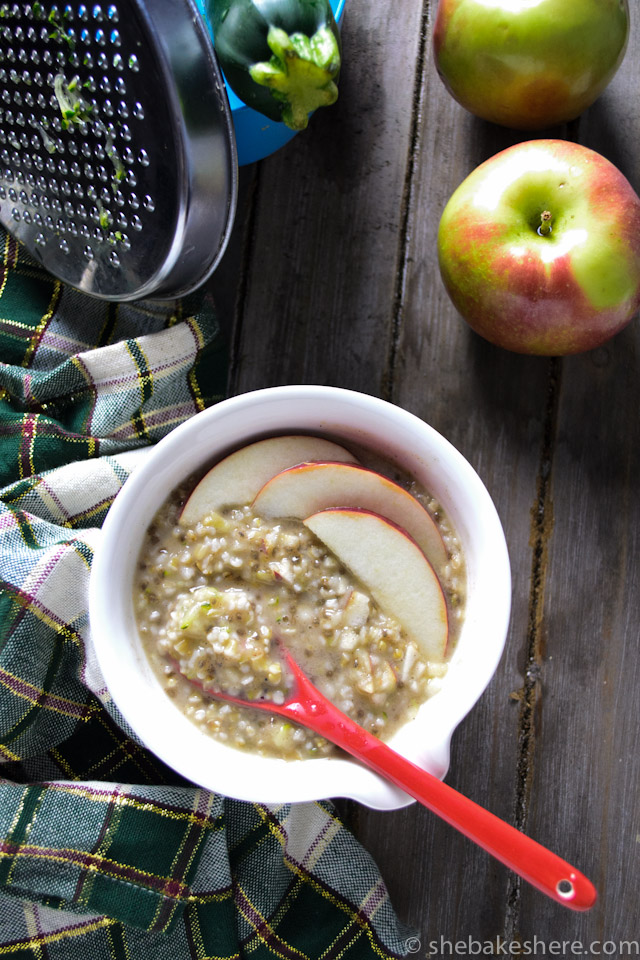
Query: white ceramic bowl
x=344, y=416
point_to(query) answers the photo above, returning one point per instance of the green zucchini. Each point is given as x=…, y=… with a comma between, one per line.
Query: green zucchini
x=280, y=57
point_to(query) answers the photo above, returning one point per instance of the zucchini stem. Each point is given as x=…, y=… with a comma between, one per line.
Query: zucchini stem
x=301, y=73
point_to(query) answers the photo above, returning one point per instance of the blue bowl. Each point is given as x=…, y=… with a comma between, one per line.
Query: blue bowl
x=256, y=135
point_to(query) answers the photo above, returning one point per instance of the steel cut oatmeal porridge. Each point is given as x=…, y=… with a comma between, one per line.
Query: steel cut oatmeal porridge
x=214, y=597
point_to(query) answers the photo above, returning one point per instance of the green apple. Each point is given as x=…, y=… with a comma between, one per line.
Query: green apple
x=529, y=64
x=539, y=248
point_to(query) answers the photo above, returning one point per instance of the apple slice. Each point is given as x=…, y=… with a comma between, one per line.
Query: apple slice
x=238, y=478
x=393, y=568
x=310, y=487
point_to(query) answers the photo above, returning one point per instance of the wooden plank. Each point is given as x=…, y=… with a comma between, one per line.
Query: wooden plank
x=323, y=246
x=587, y=767
x=492, y=406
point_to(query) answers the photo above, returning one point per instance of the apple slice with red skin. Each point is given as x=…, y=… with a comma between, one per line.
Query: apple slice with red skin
x=394, y=570
x=236, y=479
x=308, y=488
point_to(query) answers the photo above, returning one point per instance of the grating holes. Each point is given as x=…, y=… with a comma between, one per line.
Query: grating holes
x=101, y=38
x=88, y=252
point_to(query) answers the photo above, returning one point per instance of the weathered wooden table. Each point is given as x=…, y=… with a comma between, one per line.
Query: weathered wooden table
x=336, y=282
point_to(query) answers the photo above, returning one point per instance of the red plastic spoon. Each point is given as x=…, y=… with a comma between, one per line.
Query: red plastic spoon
x=539, y=866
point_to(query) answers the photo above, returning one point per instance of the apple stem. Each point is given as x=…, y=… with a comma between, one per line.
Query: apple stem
x=545, y=223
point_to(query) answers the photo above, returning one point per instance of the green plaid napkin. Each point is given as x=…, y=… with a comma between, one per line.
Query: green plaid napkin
x=105, y=853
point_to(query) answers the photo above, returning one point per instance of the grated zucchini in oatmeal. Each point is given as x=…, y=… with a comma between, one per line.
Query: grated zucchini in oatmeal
x=213, y=600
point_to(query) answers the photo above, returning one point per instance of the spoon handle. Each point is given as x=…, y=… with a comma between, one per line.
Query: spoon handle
x=529, y=859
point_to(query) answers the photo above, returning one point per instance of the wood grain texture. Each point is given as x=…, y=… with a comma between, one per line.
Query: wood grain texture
x=332, y=277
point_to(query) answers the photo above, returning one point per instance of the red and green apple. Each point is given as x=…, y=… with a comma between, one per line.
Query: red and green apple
x=539, y=248
x=237, y=478
x=529, y=64
x=393, y=568
x=310, y=487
